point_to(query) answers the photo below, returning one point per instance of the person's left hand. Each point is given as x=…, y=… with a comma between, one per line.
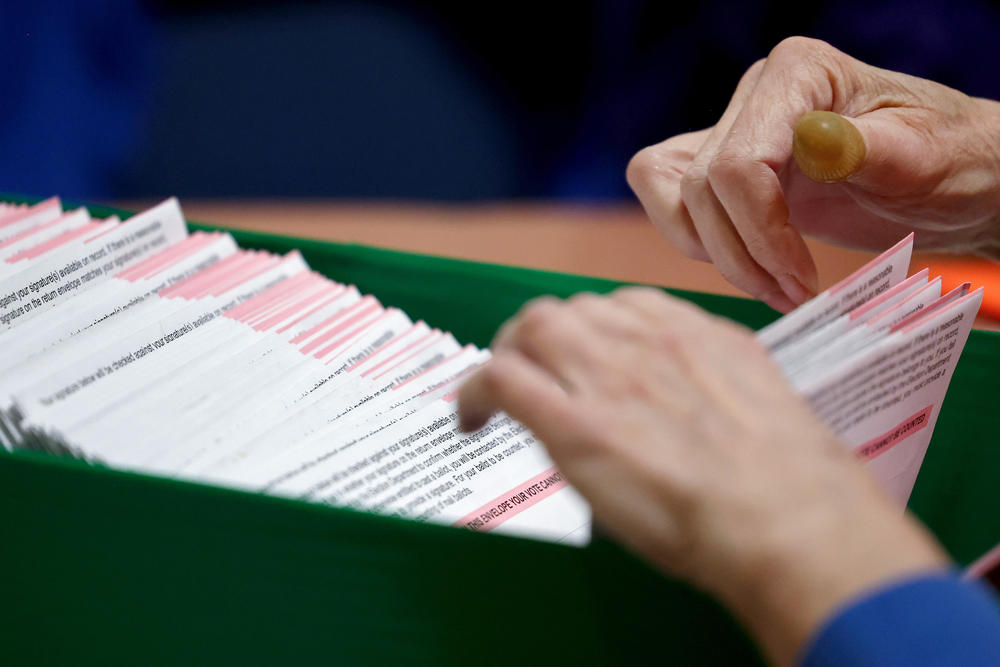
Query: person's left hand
x=692, y=450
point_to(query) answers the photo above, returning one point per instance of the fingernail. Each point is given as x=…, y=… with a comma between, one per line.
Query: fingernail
x=795, y=290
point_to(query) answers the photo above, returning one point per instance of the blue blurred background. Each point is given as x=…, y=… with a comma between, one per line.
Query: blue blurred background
x=109, y=99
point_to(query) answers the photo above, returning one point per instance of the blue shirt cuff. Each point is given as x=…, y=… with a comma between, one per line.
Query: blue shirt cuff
x=935, y=619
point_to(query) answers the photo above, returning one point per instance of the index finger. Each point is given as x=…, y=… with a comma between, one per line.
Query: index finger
x=513, y=384
x=800, y=75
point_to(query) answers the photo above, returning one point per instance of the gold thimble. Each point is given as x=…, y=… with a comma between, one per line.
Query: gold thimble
x=827, y=147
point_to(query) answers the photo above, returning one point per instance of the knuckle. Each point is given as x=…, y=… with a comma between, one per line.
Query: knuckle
x=590, y=306
x=759, y=248
x=641, y=294
x=798, y=47
x=818, y=57
x=724, y=169
x=753, y=72
x=493, y=377
x=814, y=67
x=642, y=168
x=539, y=308
x=586, y=301
x=694, y=177
x=693, y=185
x=658, y=165
x=689, y=310
x=655, y=298
x=539, y=315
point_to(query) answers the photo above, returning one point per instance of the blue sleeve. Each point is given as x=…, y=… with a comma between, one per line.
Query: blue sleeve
x=936, y=619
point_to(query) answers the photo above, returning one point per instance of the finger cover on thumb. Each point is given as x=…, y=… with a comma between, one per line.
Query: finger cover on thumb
x=828, y=148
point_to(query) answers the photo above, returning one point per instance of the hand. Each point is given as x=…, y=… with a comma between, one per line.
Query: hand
x=732, y=194
x=693, y=451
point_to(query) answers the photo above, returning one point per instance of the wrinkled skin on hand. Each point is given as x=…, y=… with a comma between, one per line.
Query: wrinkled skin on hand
x=732, y=194
x=694, y=452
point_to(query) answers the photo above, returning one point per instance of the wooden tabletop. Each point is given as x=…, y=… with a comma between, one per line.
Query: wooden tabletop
x=605, y=240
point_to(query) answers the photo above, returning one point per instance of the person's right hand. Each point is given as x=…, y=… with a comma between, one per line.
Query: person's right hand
x=693, y=450
x=732, y=194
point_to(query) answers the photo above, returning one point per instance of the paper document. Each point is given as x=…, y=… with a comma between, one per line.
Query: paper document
x=874, y=356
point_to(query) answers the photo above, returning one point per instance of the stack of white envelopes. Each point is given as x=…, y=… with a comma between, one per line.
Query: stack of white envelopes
x=137, y=345
x=873, y=355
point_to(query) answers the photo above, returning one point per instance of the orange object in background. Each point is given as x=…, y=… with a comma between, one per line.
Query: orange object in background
x=957, y=270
